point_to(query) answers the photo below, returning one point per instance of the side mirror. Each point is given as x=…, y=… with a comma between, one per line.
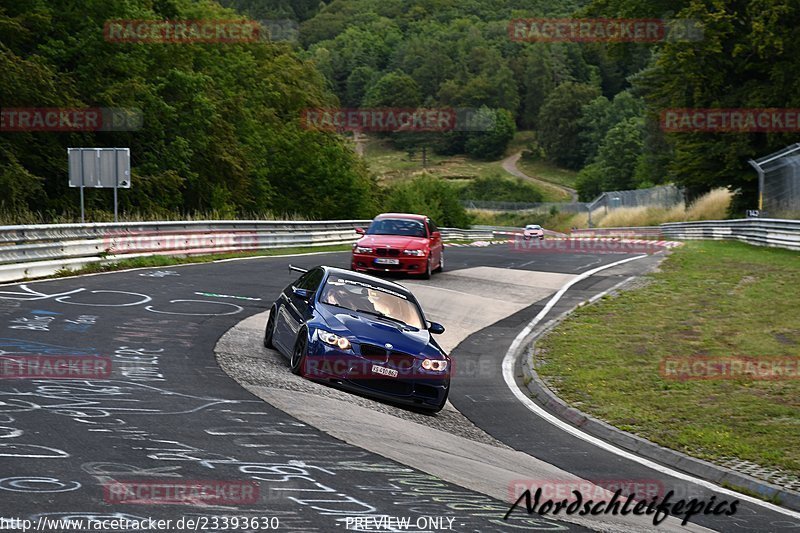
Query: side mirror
x=436, y=235
x=360, y=231
x=303, y=294
x=435, y=328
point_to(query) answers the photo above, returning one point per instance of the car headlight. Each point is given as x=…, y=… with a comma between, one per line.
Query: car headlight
x=362, y=250
x=416, y=253
x=436, y=365
x=334, y=340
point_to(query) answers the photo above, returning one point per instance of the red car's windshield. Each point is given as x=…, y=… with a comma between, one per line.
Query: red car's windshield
x=397, y=226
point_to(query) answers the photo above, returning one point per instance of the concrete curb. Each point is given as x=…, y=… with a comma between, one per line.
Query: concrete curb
x=703, y=469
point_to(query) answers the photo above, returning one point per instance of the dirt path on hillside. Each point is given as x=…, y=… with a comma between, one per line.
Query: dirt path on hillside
x=510, y=166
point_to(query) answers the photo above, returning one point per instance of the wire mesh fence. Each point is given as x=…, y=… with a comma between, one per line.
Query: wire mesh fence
x=779, y=178
x=661, y=196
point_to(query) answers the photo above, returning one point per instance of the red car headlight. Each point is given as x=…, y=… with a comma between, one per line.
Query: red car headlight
x=362, y=250
x=414, y=253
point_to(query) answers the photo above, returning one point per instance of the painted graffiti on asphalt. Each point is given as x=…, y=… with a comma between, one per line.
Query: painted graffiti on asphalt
x=114, y=298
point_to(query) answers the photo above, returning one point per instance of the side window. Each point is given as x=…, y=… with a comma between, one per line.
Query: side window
x=431, y=226
x=310, y=280
x=302, y=280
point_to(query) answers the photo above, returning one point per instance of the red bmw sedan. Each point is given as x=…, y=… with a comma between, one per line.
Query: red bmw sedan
x=399, y=242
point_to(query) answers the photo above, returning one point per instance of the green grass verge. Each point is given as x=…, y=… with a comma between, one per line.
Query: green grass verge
x=164, y=260
x=709, y=298
x=547, y=172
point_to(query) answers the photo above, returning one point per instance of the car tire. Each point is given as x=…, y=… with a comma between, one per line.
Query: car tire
x=441, y=262
x=298, y=361
x=270, y=329
x=427, y=273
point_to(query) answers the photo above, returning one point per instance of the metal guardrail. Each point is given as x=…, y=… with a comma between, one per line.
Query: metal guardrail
x=778, y=233
x=42, y=250
x=457, y=234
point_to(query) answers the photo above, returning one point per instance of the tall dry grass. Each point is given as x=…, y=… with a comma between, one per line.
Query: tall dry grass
x=711, y=206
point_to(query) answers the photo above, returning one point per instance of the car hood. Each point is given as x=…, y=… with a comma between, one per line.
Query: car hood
x=393, y=241
x=373, y=330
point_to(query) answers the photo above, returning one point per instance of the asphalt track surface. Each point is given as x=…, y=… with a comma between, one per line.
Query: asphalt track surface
x=167, y=414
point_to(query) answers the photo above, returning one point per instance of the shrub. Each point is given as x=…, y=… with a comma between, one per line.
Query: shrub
x=428, y=195
x=501, y=189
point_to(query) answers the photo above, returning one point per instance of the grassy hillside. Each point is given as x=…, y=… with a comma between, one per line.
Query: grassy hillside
x=390, y=165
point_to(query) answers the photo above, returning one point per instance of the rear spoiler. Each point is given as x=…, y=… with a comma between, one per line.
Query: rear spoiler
x=297, y=269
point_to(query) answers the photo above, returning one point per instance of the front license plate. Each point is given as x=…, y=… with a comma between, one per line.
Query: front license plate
x=384, y=261
x=382, y=370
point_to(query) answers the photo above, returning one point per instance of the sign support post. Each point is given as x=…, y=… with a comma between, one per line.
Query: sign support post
x=82, y=174
x=116, y=181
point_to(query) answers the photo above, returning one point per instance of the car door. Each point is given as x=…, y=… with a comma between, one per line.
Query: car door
x=298, y=309
x=283, y=335
x=436, y=243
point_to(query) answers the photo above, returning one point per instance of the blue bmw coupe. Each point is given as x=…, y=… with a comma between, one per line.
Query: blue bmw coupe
x=361, y=333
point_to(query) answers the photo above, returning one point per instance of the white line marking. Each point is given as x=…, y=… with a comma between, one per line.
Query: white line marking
x=508, y=376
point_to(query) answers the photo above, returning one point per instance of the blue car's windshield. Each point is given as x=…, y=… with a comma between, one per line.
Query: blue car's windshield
x=397, y=226
x=357, y=295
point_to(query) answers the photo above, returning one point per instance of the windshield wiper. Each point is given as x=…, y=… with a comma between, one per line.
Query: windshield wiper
x=387, y=317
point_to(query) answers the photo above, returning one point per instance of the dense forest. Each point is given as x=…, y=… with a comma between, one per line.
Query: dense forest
x=222, y=127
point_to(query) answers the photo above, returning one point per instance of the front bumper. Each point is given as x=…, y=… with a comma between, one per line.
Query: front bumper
x=405, y=263
x=412, y=386
x=425, y=395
